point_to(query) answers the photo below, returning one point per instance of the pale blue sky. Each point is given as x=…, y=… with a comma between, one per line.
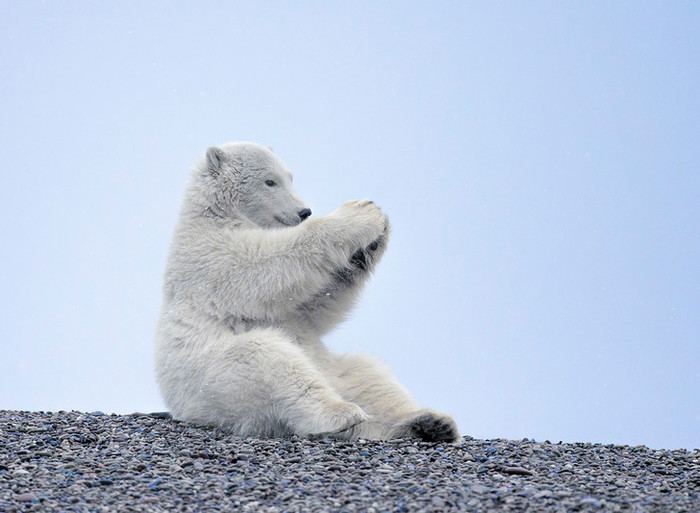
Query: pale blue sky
x=539, y=161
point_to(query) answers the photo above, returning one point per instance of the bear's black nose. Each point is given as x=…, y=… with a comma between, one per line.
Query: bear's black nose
x=304, y=213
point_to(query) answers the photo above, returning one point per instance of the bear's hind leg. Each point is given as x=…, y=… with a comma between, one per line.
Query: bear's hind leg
x=393, y=413
x=262, y=384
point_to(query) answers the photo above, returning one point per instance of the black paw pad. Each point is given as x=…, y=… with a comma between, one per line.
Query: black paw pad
x=374, y=245
x=359, y=260
x=432, y=428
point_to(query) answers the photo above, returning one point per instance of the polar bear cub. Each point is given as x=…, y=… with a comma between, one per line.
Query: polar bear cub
x=251, y=285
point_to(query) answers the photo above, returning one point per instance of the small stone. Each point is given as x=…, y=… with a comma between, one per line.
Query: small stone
x=518, y=471
x=26, y=497
x=155, y=482
x=438, y=502
x=592, y=501
x=478, y=488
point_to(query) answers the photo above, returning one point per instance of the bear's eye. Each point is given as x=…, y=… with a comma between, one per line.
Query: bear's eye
x=270, y=183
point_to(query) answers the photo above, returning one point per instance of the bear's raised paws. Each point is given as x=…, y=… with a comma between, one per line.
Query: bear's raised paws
x=367, y=216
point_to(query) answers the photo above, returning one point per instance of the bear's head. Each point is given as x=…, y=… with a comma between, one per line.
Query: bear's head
x=249, y=180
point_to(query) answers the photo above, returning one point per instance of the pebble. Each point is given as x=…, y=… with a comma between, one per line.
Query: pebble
x=112, y=459
x=590, y=500
x=26, y=497
x=438, y=502
x=518, y=471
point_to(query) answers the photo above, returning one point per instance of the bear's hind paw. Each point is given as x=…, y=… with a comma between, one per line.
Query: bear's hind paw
x=429, y=426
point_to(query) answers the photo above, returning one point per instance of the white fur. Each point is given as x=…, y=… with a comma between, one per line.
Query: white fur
x=249, y=291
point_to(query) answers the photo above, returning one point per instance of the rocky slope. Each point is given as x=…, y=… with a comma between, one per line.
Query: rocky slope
x=95, y=462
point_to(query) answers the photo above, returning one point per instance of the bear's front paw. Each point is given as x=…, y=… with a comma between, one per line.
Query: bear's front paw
x=363, y=258
x=361, y=261
x=364, y=221
x=358, y=260
x=344, y=416
x=379, y=242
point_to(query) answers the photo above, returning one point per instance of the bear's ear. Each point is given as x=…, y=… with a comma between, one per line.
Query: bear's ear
x=215, y=161
x=269, y=148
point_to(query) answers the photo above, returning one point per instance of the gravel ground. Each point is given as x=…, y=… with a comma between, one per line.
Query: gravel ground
x=96, y=462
